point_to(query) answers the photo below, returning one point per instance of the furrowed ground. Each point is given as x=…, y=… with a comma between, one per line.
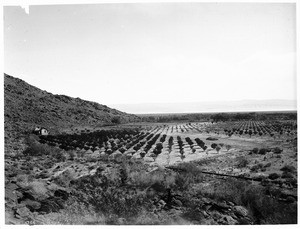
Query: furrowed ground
x=242, y=172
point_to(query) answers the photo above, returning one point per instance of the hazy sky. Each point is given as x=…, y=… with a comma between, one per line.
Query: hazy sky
x=163, y=52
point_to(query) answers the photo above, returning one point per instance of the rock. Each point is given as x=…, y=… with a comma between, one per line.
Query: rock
x=205, y=214
x=136, y=156
x=205, y=200
x=23, y=212
x=10, y=218
x=93, y=172
x=31, y=204
x=221, y=207
x=38, y=189
x=217, y=216
x=121, y=221
x=230, y=203
x=177, y=202
x=153, y=165
x=10, y=194
x=161, y=203
x=148, y=159
x=230, y=220
x=240, y=211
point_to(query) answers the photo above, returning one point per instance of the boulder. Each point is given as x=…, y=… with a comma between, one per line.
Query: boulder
x=136, y=156
x=229, y=220
x=148, y=159
x=31, y=204
x=240, y=211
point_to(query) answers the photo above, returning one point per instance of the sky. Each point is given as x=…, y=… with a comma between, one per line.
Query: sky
x=155, y=52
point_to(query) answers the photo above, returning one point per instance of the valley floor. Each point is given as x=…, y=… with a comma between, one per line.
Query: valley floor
x=180, y=173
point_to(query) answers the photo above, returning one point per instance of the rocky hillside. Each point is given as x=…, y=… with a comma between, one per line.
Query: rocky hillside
x=26, y=107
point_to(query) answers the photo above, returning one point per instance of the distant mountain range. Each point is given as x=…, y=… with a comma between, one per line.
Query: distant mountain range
x=197, y=107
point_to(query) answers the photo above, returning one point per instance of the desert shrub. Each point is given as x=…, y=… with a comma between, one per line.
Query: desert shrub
x=143, y=179
x=189, y=167
x=64, y=179
x=122, y=149
x=115, y=201
x=214, y=145
x=228, y=147
x=263, y=209
x=218, y=148
x=274, y=176
x=255, y=150
x=288, y=168
x=137, y=176
x=230, y=189
x=58, y=155
x=111, y=196
x=71, y=155
x=36, y=149
x=73, y=213
x=277, y=150
x=254, y=168
x=287, y=174
x=116, y=120
x=242, y=162
x=189, y=174
x=266, y=210
x=211, y=139
x=262, y=151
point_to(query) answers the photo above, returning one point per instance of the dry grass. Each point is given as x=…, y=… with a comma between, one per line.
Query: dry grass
x=264, y=209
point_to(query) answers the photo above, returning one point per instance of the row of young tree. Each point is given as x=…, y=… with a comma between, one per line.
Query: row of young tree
x=219, y=117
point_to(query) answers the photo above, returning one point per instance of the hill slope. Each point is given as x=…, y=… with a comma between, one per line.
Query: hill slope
x=26, y=107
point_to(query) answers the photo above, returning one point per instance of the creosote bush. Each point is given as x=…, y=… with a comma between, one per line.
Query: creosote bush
x=242, y=162
x=37, y=149
x=277, y=150
x=262, y=208
x=255, y=150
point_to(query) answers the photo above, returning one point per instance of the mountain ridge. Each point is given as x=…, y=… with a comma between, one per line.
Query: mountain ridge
x=26, y=106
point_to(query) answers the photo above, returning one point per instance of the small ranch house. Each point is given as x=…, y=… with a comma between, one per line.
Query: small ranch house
x=41, y=131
